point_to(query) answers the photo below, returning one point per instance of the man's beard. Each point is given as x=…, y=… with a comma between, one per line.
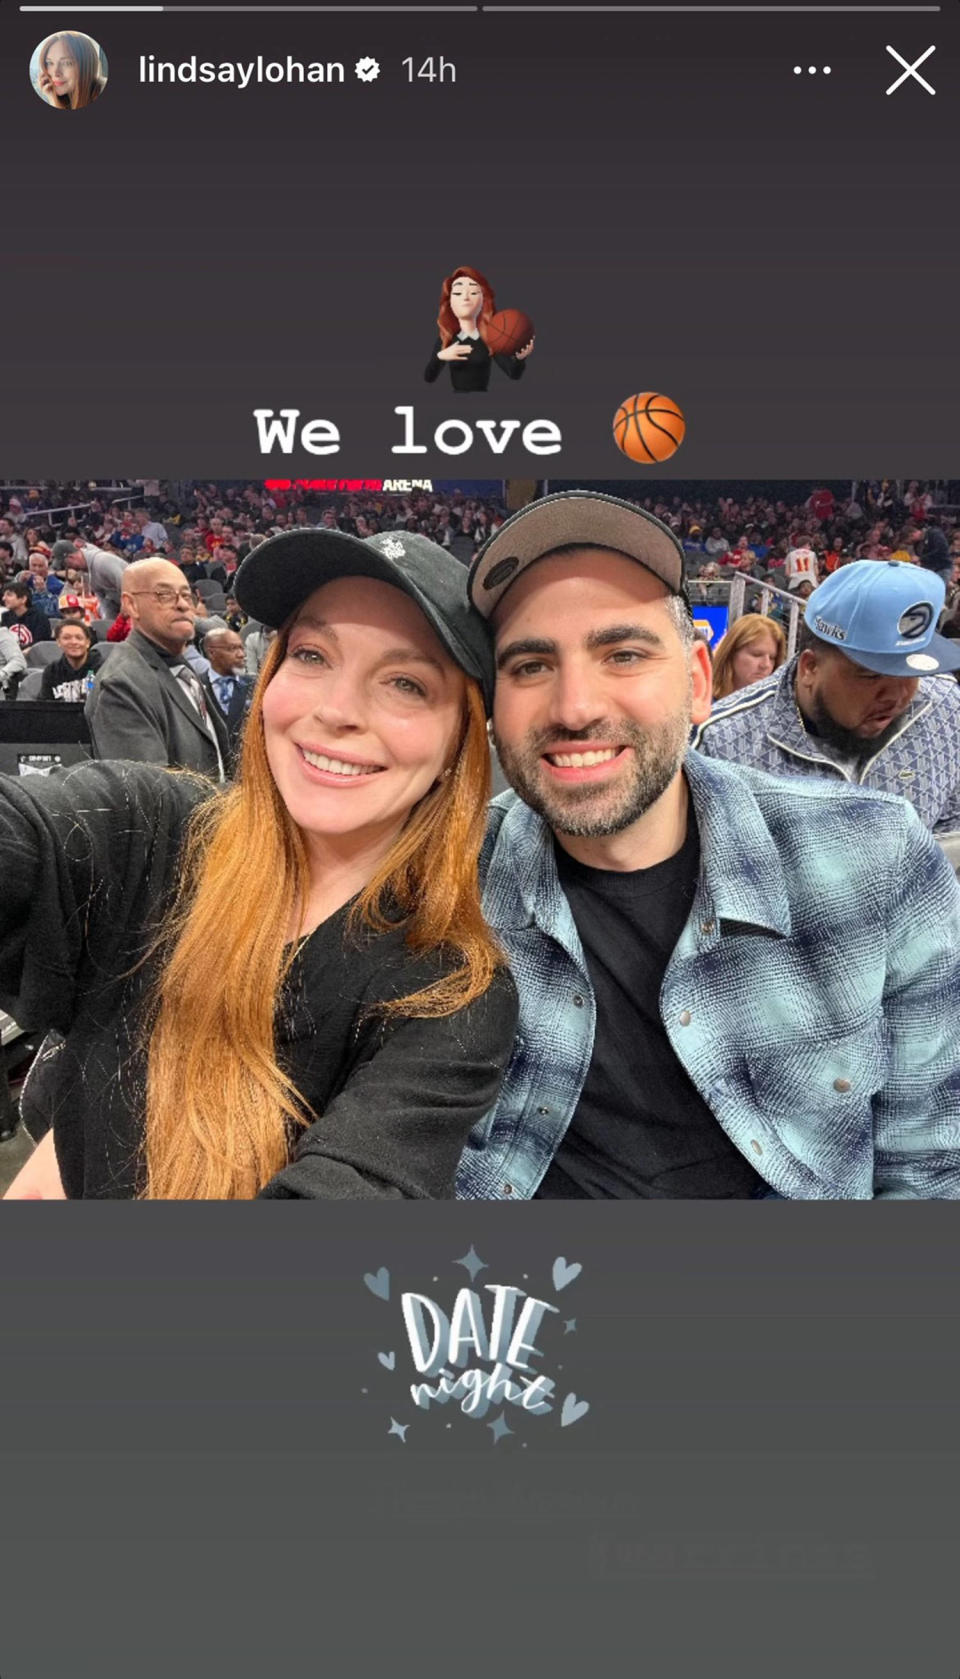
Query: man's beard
x=846, y=741
x=596, y=809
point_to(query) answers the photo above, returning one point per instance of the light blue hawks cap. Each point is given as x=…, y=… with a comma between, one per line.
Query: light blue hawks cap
x=883, y=615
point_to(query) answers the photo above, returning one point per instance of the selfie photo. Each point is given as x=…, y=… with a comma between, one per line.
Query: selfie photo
x=483, y=841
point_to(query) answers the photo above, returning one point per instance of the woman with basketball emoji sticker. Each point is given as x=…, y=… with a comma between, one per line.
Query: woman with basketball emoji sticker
x=474, y=334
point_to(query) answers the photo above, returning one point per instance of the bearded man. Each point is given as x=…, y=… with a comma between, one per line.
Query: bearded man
x=732, y=986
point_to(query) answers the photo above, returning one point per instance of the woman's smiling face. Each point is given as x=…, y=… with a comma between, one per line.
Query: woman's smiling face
x=364, y=713
x=61, y=67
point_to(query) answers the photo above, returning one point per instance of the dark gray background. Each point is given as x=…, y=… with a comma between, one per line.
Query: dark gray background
x=675, y=209
x=192, y=1480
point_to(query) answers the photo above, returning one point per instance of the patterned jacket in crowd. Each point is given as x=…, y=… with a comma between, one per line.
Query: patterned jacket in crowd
x=761, y=726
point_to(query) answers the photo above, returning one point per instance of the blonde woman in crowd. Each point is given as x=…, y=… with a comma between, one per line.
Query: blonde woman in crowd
x=752, y=648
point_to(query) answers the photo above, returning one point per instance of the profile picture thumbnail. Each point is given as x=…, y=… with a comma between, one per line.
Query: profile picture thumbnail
x=68, y=70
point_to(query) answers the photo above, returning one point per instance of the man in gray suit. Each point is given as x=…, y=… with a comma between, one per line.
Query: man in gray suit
x=147, y=703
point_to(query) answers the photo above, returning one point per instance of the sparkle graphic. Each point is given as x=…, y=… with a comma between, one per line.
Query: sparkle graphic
x=563, y=1271
x=474, y=1264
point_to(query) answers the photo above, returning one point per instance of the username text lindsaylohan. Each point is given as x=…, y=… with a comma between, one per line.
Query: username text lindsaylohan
x=238, y=73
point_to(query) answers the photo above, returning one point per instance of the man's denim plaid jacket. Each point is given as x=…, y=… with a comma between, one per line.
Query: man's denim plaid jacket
x=813, y=996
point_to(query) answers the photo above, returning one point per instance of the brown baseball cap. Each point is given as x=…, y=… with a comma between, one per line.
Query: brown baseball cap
x=581, y=518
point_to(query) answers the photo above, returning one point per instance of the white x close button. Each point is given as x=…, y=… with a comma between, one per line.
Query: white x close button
x=910, y=70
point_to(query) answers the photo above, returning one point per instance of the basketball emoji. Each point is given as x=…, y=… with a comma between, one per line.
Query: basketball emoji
x=508, y=331
x=649, y=427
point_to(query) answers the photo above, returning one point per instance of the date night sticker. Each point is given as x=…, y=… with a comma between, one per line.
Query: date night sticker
x=478, y=1350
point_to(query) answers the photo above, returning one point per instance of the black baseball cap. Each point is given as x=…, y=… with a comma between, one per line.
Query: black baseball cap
x=278, y=575
x=584, y=518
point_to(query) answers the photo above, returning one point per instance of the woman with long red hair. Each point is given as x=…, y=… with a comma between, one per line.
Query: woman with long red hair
x=287, y=988
x=467, y=306
x=70, y=71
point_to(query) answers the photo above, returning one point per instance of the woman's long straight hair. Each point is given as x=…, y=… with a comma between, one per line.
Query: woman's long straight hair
x=219, y=1109
x=90, y=78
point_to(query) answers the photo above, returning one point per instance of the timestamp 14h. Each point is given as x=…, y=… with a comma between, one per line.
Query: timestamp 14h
x=433, y=69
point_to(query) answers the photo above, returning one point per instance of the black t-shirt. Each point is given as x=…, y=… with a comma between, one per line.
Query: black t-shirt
x=640, y=1128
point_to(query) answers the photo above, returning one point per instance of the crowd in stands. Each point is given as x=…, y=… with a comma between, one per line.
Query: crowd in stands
x=63, y=545
x=795, y=545
x=223, y=521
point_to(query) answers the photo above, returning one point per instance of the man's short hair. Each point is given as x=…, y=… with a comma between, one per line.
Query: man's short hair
x=683, y=622
x=14, y=587
x=73, y=624
x=807, y=642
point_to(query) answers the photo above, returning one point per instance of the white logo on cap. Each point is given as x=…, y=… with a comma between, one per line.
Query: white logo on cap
x=393, y=549
x=922, y=661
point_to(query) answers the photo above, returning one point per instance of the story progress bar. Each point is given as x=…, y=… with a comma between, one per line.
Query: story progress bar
x=402, y=11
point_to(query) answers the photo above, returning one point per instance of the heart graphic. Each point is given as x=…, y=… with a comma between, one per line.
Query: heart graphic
x=388, y=1360
x=573, y=1410
x=564, y=1273
x=378, y=1282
